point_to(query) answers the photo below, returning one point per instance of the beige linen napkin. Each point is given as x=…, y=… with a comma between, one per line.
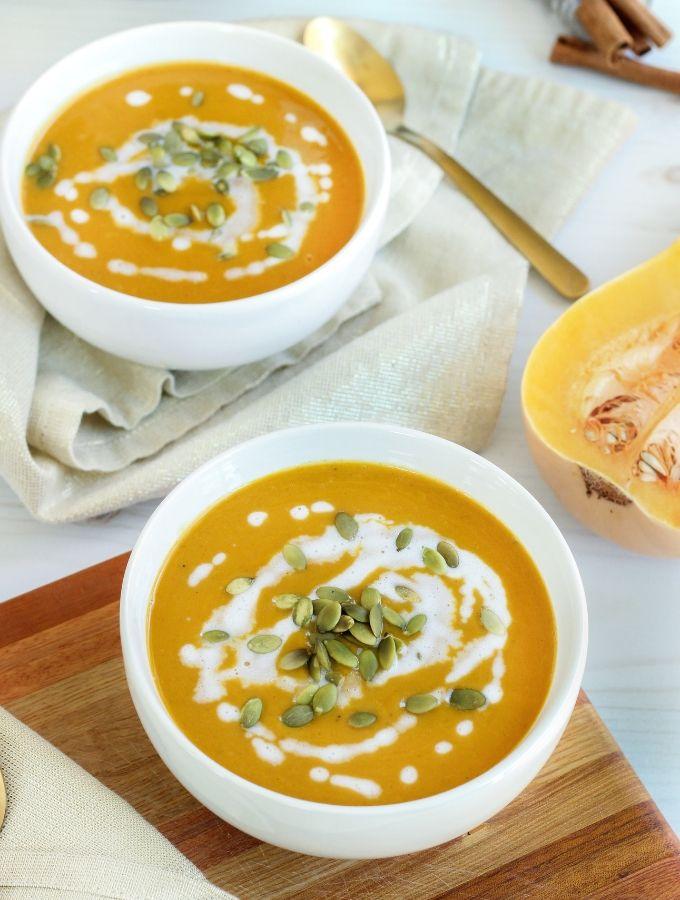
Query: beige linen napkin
x=425, y=341
x=67, y=836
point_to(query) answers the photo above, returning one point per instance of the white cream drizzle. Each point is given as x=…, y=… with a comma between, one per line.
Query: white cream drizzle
x=364, y=786
x=313, y=136
x=243, y=92
x=464, y=728
x=186, y=91
x=321, y=506
x=241, y=224
x=443, y=747
x=69, y=235
x=257, y=518
x=408, y=775
x=79, y=216
x=137, y=98
x=201, y=572
x=373, y=549
x=299, y=512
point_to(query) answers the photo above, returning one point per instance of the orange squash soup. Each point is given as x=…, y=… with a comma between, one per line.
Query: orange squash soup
x=351, y=633
x=193, y=182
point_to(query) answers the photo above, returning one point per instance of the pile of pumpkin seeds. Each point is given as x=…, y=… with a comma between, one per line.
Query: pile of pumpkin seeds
x=45, y=167
x=361, y=633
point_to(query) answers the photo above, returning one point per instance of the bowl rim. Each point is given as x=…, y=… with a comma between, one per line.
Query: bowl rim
x=371, y=213
x=562, y=697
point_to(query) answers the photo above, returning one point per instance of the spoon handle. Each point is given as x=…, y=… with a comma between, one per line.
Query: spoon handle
x=555, y=268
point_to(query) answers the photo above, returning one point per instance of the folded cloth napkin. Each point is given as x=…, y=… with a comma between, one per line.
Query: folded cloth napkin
x=67, y=836
x=425, y=340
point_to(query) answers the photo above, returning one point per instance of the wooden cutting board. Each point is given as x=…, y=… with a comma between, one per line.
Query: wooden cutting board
x=586, y=827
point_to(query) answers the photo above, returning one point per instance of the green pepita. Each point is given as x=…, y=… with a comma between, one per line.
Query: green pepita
x=143, y=178
x=284, y=160
x=298, y=715
x=32, y=169
x=251, y=712
x=491, y=621
x=285, y=601
x=307, y=207
x=421, y=703
x=314, y=667
x=279, y=251
x=54, y=150
x=466, y=698
x=416, y=624
x=306, y=694
x=375, y=619
x=177, y=220
x=189, y=135
x=245, y=156
x=362, y=719
x=166, y=181
x=358, y=613
x=47, y=163
x=392, y=617
x=197, y=98
x=302, y=612
x=434, y=561
x=369, y=597
x=158, y=230
x=148, y=206
x=404, y=538
x=172, y=142
x=238, y=585
x=221, y=186
x=215, y=215
x=344, y=623
x=257, y=145
x=346, y=526
x=99, y=198
x=196, y=213
x=226, y=170
x=387, y=652
x=296, y=659
x=264, y=643
x=329, y=616
x=325, y=699
x=294, y=556
x=158, y=156
x=186, y=158
x=368, y=665
x=108, y=153
x=407, y=593
x=149, y=138
x=46, y=179
x=328, y=592
x=363, y=633
x=215, y=636
x=323, y=656
x=449, y=552
x=342, y=654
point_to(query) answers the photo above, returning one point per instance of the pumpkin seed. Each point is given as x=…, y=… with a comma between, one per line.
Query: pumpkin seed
x=46, y=179
x=346, y=526
x=404, y=538
x=258, y=146
x=284, y=160
x=362, y=719
x=177, y=220
x=375, y=619
x=342, y=654
x=221, y=186
x=196, y=213
x=264, y=643
x=466, y=698
x=287, y=218
x=32, y=169
x=305, y=695
x=335, y=677
x=225, y=146
x=99, y=198
x=298, y=715
x=215, y=215
x=226, y=170
x=189, y=135
x=215, y=636
x=148, y=206
x=186, y=158
x=251, y=712
x=294, y=556
x=285, y=601
x=363, y=633
x=149, y=138
x=329, y=616
x=166, y=181
x=294, y=660
x=345, y=622
x=302, y=612
x=325, y=699
x=245, y=156
x=328, y=592
x=307, y=207
x=158, y=229
x=108, y=153
x=158, y=156
x=392, y=617
x=46, y=162
x=369, y=597
x=407, y=593
x=368, y=665
x=54, y=150
x=251, y=132
x=358, y=613
x=491, y=621
x=238, y=586
x=322, y=655
x=449, y=552
x=434, y=561
x=414, y=625
x=279, y=251
x=197, y=98
x=210, y=158
x=399, y=644
x=387, y=652
x=143, y=178
x=172, y=142
x=421, y=703
x=314, y=667
x=319, y=604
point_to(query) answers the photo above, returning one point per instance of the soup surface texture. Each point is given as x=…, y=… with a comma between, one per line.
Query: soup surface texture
x=430, y=671
x=193, y=182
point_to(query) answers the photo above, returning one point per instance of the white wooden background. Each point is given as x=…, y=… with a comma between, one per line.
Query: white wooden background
x=633, y=673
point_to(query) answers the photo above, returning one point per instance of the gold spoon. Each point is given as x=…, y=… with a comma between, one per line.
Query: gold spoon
x=362, y=63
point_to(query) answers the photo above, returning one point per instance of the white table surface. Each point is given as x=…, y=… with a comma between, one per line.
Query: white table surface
x=633, y=672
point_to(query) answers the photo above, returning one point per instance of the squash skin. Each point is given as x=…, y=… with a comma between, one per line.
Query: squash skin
x=605, y=491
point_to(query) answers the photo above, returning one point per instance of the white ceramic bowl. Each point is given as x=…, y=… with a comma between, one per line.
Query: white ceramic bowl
x=206, y=335
x=358, y=831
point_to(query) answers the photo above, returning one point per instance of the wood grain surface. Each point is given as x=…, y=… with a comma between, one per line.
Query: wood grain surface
x=586, y=827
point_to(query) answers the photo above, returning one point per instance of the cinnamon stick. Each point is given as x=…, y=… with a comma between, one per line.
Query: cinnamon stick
x=571, y=51
x=606, y=30
x=641, y=16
